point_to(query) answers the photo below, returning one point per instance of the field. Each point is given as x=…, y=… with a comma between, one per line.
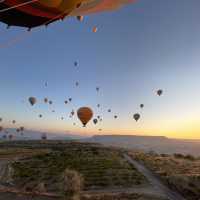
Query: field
x=98, y=167
x=179, y=172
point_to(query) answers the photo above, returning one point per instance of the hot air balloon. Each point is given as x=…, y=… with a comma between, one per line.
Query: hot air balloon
x=70, y=99
x=32, y=100
x=66, y=102
x=13, y=121
x=141, y=105
x=43, y=12
x=72, y=113
x=98, y=117
x=77, y=84
x=1, y=119
x=62, y=118
x=159, y=92
x=80, y=18
x=100, y=129
x=109, y=110
x=40, y=116
x=75, y=63
x=136, y=116
x=97, y=89
x=45, y=100
x=95, y=121
x=53, y=111
x=1, y=128
x=98, y=105
x=21, y=128
x=85, y=114
x=50, y=102
x=17, y=130
x=115, y=116
x=95, y=29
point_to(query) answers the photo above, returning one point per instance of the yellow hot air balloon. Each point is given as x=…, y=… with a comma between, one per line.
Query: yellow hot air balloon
x=85, y=114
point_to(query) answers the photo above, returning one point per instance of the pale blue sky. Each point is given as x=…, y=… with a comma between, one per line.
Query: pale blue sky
x=138, y=49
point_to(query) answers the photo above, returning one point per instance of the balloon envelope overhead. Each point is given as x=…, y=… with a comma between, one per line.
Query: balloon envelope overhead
x=85, y=114
x=41, y=12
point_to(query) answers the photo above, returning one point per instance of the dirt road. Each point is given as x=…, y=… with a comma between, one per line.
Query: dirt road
x=156, y=183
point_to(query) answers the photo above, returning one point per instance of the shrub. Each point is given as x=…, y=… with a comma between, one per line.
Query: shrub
x=72, y=184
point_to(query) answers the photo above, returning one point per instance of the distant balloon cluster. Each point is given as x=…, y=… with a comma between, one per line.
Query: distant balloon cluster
x=84, y=114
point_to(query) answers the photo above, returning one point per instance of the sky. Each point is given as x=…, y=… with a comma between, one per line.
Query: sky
x=138, y=49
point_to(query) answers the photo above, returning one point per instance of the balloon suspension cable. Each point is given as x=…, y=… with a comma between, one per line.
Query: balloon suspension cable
x=18, y=5
x=22, y=36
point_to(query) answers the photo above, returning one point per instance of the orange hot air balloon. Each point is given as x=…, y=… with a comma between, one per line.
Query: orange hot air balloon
x=85, y=114
x=95, y=29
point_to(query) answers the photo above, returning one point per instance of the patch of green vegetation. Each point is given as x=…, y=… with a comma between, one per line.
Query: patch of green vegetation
x=99, y=167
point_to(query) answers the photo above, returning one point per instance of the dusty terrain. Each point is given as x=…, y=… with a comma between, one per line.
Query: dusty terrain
x=179, y=172
x=34, y=170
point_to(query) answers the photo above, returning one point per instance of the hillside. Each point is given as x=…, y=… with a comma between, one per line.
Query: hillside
x=158, y=144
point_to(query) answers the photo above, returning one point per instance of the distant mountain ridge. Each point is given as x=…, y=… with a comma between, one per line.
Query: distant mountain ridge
x=36, y=135
x=159, y=144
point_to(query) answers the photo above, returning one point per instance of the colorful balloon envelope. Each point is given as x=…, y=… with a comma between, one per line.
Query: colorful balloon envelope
x=34, y=13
